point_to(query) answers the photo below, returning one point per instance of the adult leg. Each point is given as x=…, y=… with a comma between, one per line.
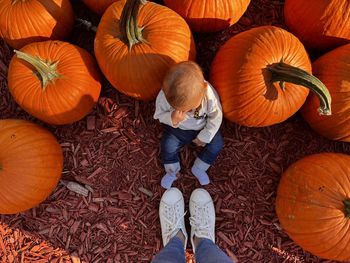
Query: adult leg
x=202, y=222
x=208, y=252
x=174, y=235
x=173, y=252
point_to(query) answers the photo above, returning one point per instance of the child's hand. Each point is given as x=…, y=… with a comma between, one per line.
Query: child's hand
x=177, y=117
x=199, y=142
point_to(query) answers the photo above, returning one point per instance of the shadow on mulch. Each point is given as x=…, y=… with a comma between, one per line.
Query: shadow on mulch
x=115, y=150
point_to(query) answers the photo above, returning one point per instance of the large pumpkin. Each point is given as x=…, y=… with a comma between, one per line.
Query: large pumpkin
x=55, y=81
x=135, y=50
x=99, y=6
x=31, y=162
x=313, y=204
x=26, y=21
x=333, y=70
x=258, y=75
x=209, y=15
x=319, y=24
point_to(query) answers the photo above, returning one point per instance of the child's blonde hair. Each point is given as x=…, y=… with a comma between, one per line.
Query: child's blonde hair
x=183, y=84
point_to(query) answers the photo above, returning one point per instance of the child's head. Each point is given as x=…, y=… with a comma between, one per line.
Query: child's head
x=184, y=86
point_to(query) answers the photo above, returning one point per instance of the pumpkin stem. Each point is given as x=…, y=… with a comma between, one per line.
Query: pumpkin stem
x=282, y=72
x=131, y=33
x=16, y=1
x=47, y=71
x=346, y=203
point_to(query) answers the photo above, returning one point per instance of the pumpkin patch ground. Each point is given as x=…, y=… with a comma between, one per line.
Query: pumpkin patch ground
x=114, y=152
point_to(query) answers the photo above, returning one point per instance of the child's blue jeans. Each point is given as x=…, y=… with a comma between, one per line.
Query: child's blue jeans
x=206, y=252
x=175, y=138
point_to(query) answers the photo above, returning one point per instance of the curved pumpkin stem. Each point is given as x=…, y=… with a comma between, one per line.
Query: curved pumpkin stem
x=47, y=71
x=131, y=33
x=347, y=207
x=286, y=73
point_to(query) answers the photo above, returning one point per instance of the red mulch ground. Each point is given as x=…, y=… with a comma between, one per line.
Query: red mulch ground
x=118, y=156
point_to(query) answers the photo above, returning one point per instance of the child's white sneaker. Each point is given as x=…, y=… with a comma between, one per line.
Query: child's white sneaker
x=171, y=215
x=202, y=218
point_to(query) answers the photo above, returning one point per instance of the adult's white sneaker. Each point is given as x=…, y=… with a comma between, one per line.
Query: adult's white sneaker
x=171, y=215
x=202, y=218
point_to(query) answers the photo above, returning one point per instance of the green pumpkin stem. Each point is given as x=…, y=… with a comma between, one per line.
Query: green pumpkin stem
x=47, y=71
x=131, y=33
x=282, y=72
x=346, y=203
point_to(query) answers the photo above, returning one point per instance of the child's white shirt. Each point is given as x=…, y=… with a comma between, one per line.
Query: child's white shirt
x=210, y=115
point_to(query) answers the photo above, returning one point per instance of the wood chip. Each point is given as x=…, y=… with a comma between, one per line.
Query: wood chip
x=225, y=239
x=145, y=191
x=90, y=122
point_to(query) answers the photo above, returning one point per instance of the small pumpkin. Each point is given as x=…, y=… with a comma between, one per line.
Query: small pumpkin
x=98, y=6
x=313, y=204
x=333, y=70
x=26, y=21
x=55, y=81
x=31, y=163
x=137, y=42
x=319, y=24
x=209, y=15
x=261, y=75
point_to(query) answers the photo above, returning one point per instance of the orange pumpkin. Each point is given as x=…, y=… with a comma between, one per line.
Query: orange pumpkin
x=26, y=21
x=135, y=49
x=55, y=81
x=313, y=204
x=99, y=6
x=258, y=75
x=209, y=15
x=31, y=162
x=333, y=70
x=319, y=24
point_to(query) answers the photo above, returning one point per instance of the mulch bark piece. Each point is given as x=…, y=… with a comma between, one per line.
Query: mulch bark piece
x=114, y=153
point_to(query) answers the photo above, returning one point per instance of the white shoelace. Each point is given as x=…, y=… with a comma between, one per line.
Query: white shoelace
x=201, y=225
x=173, y=224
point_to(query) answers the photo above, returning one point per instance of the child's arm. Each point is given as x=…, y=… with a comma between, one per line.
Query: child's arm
x=163, y=110
x=214, y=121
x=165, y=114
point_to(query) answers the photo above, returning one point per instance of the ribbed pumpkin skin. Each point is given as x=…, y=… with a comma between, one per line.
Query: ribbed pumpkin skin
x=31, y=162
x=310, y=206
x=99, y=6
x=139, y=73
x=65, y=100
x=333, y=70
x=30, y=21
x=238, y=72
x=319, y=24
x=209, y=15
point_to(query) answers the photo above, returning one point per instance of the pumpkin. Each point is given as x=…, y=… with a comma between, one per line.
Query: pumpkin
x=258, y=75
x=209, y=15
x=319, y=24
x=99, y=6
x=26, y=21
x=333, y=70
x=137, y=42
x=31, y=163
x=55, y=81
x=313, y=204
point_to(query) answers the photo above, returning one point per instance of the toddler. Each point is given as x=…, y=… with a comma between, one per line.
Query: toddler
x=191, y=111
